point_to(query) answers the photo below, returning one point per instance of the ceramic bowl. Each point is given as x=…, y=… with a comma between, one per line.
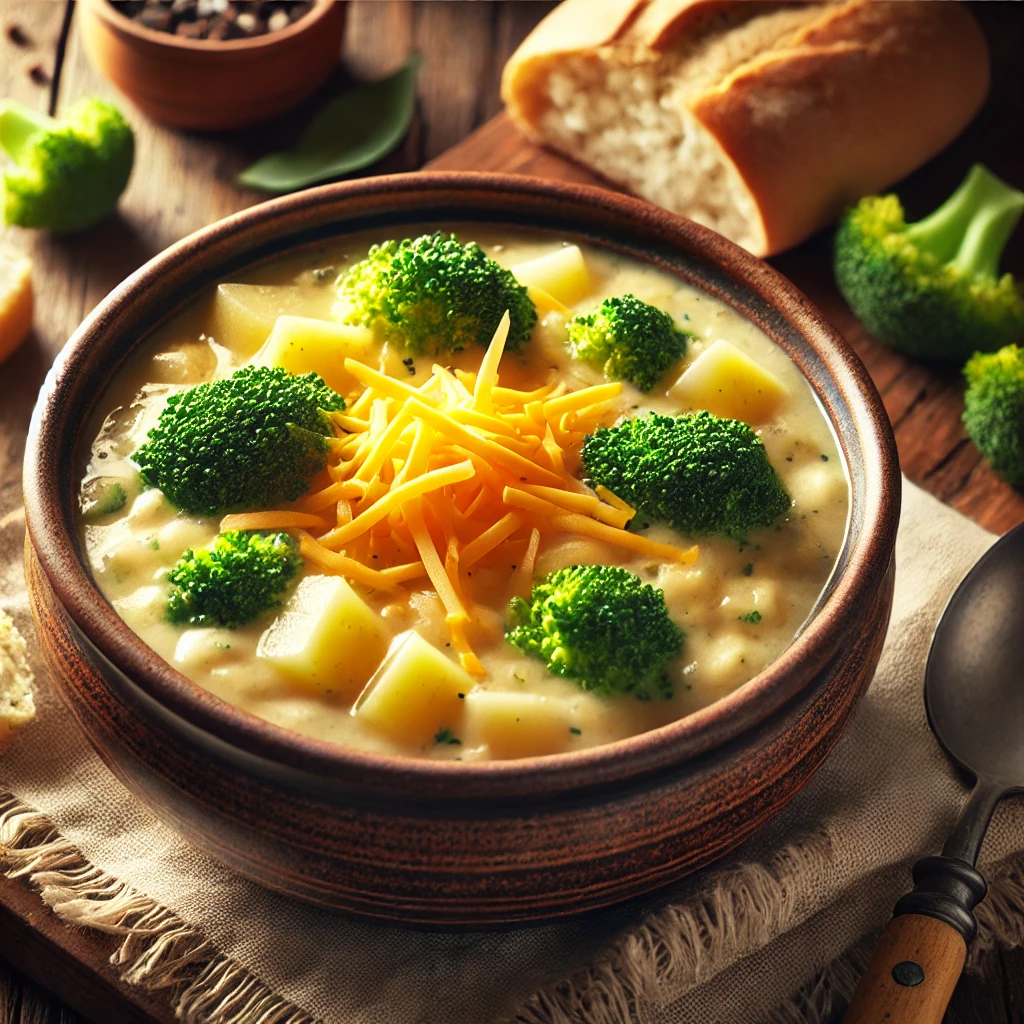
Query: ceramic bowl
x=210, y=86
x=453, y=844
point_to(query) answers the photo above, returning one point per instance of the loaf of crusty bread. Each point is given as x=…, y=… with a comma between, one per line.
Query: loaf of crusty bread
x=760, y=120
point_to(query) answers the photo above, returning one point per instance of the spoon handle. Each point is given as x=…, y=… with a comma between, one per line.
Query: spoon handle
x=911, y=977
x=921, y=953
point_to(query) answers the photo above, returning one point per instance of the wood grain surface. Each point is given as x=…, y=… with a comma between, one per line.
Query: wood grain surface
x=182, y=182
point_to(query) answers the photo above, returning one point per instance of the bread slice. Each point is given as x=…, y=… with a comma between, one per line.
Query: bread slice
x=15, y=300
x=16, y=702
x=759, y=120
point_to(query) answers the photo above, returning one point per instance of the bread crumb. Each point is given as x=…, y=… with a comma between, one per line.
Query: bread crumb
x=17, y=706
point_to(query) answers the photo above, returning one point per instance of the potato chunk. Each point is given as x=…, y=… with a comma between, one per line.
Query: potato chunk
x=818, y=485
x=562, y=274
x=726, y=382
x=300, y=344
x=243, y=315
x=415, y=693
x=546, y=303
x=326, y=637
x=767, y=597
x=188, y=362
x=724, y=663
x=518, y=724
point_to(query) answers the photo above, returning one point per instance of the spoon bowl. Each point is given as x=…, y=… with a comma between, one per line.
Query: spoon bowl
x=974, y=694
x=974, y=682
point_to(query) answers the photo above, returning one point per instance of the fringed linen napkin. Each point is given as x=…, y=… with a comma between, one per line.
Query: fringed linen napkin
x=774, y=933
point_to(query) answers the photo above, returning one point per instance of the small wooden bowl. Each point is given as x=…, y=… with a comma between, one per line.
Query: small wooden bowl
x=206, y=85
x=454, y=844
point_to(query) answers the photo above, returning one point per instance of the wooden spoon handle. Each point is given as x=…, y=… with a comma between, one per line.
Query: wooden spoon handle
x=922, y=951
x=912, y=975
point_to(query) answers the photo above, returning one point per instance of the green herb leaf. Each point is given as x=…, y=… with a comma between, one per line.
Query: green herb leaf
x=445, y=735
x=752, y=617
x=351, y=132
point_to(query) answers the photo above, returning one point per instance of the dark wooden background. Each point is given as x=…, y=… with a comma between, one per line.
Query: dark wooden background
x=183, y=182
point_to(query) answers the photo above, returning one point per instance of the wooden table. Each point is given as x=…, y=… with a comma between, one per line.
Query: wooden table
x=182, y=182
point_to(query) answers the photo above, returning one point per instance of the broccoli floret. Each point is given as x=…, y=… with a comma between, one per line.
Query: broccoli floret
x=994, y=409
x=69, y=173
x=234, y=581
x=431, y=295
x=699, y=473
x=252, y=440
x=932, y=288
x=628, y=340
x=601, y=626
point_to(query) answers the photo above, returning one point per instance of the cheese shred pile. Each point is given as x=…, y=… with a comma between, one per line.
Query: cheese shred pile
x=424, y=483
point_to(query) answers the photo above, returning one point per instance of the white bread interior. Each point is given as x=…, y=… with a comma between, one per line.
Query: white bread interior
x=623, y=111
x=636, y=105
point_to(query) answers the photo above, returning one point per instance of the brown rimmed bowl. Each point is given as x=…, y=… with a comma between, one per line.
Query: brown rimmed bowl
x=205, y=85
x=458, y=844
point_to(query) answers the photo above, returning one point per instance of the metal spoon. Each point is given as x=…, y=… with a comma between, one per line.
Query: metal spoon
x=974, y=692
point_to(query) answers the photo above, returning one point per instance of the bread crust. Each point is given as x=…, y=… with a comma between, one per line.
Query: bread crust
x=865, y=92
x=662, y=22
x=862, y=98
x=575, y=26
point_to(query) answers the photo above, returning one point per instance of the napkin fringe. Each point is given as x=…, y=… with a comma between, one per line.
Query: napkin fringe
x=681, y=945
x=157, y=950
x=829, y=992
x=1001, y=914
x=677, y=948
x=651, y=964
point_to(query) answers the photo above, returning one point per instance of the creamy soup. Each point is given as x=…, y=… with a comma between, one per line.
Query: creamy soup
x=404, y=684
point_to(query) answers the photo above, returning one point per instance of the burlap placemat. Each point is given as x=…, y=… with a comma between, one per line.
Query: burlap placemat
x=773, y=933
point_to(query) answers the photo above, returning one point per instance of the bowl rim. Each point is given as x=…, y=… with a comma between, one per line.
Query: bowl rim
x=121, y=23
x=668, y=746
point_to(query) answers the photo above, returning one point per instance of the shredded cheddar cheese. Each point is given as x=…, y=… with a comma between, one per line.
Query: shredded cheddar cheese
x=394, y=498
x=487, y=541
x=426, y=484
x=522, y=581
x=487, y=375
x=343, y=566
x=270, y=521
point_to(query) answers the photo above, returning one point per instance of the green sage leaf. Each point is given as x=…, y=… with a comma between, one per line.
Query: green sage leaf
x=351, y=132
